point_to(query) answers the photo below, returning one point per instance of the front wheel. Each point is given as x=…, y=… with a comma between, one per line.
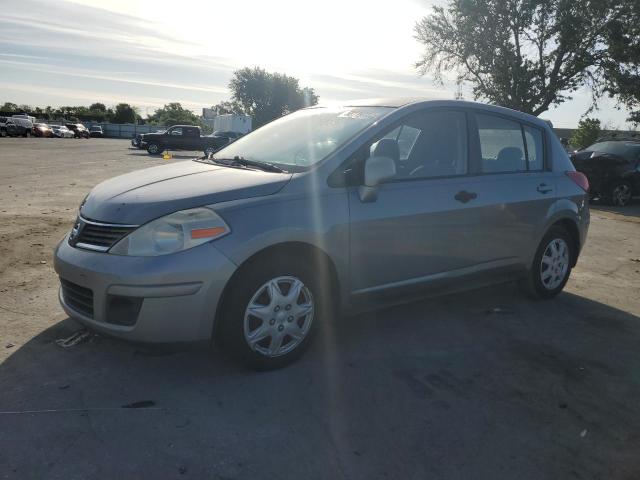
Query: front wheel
x=621, y=194
x=551, y=266
x=209, y=151
x=154, y=149
x=271, y=314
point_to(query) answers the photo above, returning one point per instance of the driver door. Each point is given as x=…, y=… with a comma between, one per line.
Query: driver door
x=424, y=223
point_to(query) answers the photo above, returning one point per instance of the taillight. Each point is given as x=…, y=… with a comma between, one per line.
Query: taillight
x=580, y=179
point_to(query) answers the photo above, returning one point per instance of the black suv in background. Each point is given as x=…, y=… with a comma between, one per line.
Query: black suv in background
x=612, y=166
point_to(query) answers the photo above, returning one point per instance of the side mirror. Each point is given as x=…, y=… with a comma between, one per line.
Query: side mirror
x=376, y=171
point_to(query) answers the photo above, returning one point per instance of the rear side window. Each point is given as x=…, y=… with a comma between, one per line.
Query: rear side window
x=535, y=150
x=501, y=145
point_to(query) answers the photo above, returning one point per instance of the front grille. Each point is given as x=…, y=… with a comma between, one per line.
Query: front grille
x=77, y=297
x=97, y=236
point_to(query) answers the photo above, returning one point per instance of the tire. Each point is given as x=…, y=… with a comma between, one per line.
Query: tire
x=209, y=150
x=154, y=149
x=620, y=194
x=540, y=283
x=27, y=134
x=275, y=319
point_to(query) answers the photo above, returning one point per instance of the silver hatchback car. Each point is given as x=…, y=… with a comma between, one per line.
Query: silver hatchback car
x=326, y=210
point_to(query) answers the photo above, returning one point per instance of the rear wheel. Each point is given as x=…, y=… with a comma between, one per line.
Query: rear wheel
x=620, y=194
x=551, y=266
x=209, y=151
x=154, y=149
x=271, y=314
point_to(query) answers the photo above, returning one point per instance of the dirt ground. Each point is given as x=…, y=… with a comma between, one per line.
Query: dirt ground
x=443, y=388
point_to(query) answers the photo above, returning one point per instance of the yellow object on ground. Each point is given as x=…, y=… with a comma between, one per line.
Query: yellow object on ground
x=167, y=156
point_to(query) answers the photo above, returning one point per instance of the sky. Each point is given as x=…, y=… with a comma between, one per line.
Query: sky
x=152, y=52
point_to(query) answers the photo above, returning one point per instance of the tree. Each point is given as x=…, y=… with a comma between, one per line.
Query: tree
x=174, y=114
x=125, y=113
x=266, y=96
x=586, y=134
x=9, y=107
x=98, y=107
x=226, y=107
x=522, y=54
x=621, y=69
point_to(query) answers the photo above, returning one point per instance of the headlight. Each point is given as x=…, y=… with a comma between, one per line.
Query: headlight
x=173, y=233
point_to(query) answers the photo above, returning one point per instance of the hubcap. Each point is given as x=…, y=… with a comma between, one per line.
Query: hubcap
x=279, y=316
x=555, y=264
x=621, y=194
x=153, y=148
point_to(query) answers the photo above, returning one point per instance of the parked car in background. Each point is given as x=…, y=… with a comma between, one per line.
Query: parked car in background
x=613, y=169
x=96, y=131
x=181, y=137
x=62, y=131
x=23, y=125
x=42, y=130
x=326, y=210
x=79, y=130
x=9, y=127
x=230, y=136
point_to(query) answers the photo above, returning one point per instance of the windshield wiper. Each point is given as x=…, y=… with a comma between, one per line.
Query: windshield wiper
x=237, y=160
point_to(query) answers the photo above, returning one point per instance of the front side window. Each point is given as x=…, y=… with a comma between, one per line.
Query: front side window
x=501, y=145
x=175, y=131
x=430, y=144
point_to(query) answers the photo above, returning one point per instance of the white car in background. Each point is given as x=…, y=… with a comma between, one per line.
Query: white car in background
x=60, y=131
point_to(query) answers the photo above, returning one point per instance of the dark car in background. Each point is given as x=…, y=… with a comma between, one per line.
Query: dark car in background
x=182, y=137
x=42, y=130
x=79, y=130
x=613, y=169
x=229, y=135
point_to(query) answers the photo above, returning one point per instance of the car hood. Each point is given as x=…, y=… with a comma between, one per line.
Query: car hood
x=138, y=197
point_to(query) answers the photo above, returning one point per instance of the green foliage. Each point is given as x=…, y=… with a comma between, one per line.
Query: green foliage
x=522, y=54
x=226, y=107
x=174, y=114
x=9, y=107
x=98, y=107
x=125, y=113
x=587, y=133
x=621, y=68
x=267, y=96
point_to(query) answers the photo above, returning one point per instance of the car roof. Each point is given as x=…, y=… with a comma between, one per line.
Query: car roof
x=405, y=102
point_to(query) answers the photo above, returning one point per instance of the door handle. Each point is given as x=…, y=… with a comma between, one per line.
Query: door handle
x=544, y=188
x=464, y=196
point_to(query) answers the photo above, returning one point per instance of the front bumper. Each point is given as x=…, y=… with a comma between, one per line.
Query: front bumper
x=177, y=294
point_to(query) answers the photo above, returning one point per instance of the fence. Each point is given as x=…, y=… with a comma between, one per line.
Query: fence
x=124, y=130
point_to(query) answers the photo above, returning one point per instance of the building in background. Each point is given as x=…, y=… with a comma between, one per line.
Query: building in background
x=226, y=122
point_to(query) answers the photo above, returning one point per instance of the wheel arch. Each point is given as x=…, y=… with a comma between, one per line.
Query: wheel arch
x=290, y=250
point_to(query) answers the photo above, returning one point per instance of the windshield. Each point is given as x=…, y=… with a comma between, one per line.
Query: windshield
x=303, y=138
x=626, y=150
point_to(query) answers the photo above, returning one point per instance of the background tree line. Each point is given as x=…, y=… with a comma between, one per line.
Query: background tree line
x=530, y=55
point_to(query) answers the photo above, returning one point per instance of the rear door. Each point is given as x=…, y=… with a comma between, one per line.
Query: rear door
x=516, y=188
x=423, y=225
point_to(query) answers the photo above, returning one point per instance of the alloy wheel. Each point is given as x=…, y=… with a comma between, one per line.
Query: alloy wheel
x=278, y=316
x=621, y=194
x=555, y=264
